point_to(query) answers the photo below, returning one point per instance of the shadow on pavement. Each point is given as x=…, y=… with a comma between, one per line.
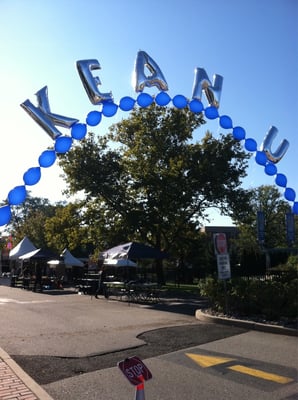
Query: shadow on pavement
x=179, y=306
x=59, y=292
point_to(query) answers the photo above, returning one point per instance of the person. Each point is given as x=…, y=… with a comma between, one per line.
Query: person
x=38, y=278
x=26, y=278
x=101, y=288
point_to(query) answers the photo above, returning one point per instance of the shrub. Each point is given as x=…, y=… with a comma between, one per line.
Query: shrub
x=273, y=297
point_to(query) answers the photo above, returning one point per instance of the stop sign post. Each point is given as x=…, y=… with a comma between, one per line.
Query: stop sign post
x=133, y=368
x=136, y=372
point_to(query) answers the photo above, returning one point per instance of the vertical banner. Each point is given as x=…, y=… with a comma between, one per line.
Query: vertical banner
x=290, y=226
x=222, y=256
x=261, y=227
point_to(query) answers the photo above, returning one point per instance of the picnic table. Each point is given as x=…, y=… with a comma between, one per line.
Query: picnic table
x=136, y=292
x=87, y=285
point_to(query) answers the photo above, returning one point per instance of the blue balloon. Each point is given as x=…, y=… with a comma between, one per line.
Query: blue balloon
x=196, y=106
x=109, y=109
x=261, y=158
x=162, y=99
x=47, y=158
x=180, y=101
x=290, y=194
x=239, y=133
x=211, y=112
x=295, y=208
x=281, y=180
x=270, y=169
x=127, y=103
x=17, y=195
x=78, y=131
x=250, y=144
x=5, y=215
x=225, y=122
x=93, y=118
x=32, y=176
x=63, y=144
x=144, y=100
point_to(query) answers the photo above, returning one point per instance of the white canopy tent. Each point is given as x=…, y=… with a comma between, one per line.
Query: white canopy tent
x=70, y=260
x=120, y=270
x=67, y=259
x=23, y=247
x=65, y=265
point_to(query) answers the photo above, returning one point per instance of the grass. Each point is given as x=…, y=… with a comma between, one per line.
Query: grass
x=183, y=288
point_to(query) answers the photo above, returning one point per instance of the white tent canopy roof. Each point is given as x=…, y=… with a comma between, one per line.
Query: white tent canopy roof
x=69, y=259
x=23, y=247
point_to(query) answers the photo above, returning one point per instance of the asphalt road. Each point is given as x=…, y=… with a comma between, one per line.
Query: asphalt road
x=71, y=345
x=53, y=336
x=47, y=369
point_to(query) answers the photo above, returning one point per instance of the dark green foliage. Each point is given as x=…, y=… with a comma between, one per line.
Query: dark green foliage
x=29, y=219
x=271, y=298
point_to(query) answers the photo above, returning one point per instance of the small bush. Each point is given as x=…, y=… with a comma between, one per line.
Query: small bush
x=272, y=298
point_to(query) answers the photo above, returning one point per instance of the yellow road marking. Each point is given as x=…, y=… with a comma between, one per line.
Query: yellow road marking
x=208, y=361
x=260, y=374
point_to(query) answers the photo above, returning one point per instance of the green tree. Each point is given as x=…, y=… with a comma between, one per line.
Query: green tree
x=268, y=199
x=66, y=228
x=29, y=220
x=153, y=179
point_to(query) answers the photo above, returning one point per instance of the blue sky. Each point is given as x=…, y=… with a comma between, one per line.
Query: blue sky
x=253, y=45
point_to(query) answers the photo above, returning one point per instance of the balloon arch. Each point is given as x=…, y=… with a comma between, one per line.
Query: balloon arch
x=62, y=143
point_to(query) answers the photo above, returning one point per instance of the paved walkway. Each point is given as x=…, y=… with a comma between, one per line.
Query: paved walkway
x=15, y=384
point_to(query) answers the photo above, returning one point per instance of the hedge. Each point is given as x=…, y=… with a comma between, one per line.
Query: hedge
x=270, y=297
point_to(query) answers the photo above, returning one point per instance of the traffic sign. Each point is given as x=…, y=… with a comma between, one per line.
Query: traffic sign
x=223, y=266
x=220, y=243
x=135, y=370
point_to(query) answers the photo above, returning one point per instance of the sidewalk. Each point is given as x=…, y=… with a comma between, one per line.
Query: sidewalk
x=242, y=323
x=15, y=384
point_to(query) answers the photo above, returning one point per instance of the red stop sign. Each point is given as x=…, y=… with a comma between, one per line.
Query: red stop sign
x=133, y=368
x=220, y=243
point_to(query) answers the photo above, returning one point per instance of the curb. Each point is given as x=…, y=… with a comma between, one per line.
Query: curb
x=37, y=390
x=251, y=325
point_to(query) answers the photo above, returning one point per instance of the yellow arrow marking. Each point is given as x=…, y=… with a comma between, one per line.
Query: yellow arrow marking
x=260, y=374
x=208, y=361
